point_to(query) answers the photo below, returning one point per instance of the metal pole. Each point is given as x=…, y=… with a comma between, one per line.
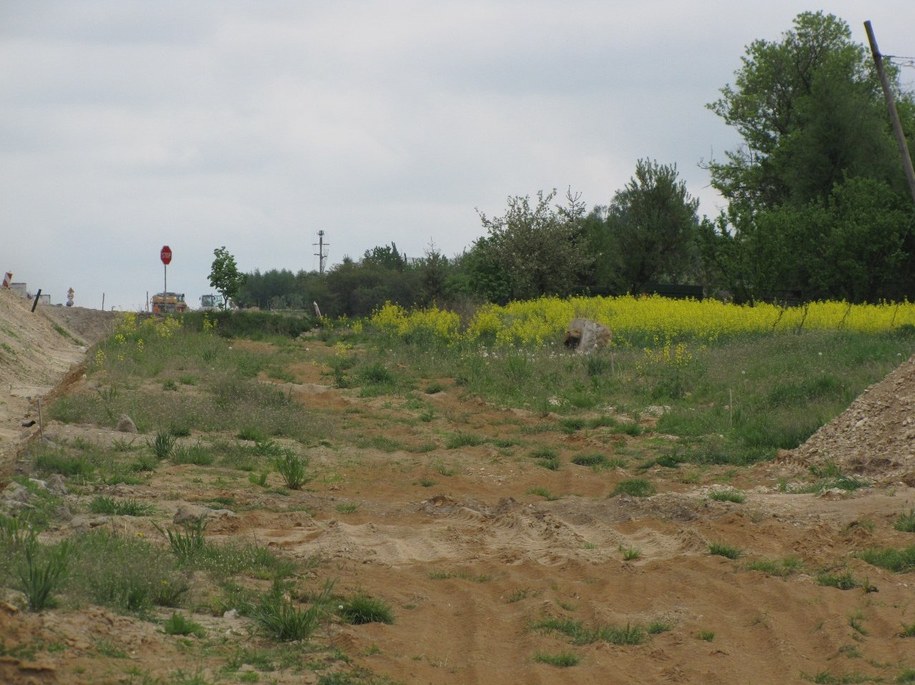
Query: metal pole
x=891, y=106
x=164, y=279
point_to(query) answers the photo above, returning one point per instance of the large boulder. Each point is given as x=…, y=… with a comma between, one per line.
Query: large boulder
x=586, y=336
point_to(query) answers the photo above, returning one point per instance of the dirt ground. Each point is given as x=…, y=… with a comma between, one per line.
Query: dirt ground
x=468, y=556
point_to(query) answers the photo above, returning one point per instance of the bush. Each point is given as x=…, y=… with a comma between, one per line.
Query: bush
x=282, y=620
x=364, y=609
x=41, y=572
x=293, y=469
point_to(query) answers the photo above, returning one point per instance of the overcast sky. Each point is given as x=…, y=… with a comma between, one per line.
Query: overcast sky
x=127, y=125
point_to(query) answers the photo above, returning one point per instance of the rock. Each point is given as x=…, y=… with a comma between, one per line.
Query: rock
x=126, y=425
x=189, y=513
x=57, y=485
x=586, y=336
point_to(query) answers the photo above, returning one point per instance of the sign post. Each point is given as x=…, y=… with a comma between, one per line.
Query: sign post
x=166, y=256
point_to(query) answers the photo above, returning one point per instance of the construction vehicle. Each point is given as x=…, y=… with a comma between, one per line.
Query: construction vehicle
x=208, y=302
x=168, y=303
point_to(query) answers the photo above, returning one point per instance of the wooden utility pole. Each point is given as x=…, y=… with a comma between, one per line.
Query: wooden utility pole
x=891, y=106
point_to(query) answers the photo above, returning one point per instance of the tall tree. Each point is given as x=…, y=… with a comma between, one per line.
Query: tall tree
x=224, y=275
x=535, y=248
x=817, y=150
x=809, y=110
x=649, y=233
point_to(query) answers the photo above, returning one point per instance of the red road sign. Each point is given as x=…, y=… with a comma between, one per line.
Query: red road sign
x=166, y=255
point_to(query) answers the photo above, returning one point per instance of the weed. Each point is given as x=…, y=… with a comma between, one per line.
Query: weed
x=658, y=627
x=723, y=550
x=579, y=634
x=463, y=440
x=542, y=492
x=897, y=560
x=908, y=631
x=631, y=553
x=634, y=487
x=187, y=543
x=251, y=434
x=130, y=507
x=198, y=455
x=347, y=507
x=433, y=388
x=776, y=567
x=163, y=444
x=560, y=660
x=41, y=572
x=259, y=478
x=727, y=496
x=282, y=620
x=906, y=522
x=706, y=635
x=840, y=581
x=294, y=470
x=906, y=676
x=594, y=460
x=179, y=624
x=855, y=621
x=364, y=609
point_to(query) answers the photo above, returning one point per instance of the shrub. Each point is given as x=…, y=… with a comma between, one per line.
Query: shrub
x=560, y=660
x=162, y=444
x=727, y=496
x=897, y=560
x=188, y=542
x=594, y=460
x=108, y=505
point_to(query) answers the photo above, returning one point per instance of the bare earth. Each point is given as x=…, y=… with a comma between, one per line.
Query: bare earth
x=468, y=558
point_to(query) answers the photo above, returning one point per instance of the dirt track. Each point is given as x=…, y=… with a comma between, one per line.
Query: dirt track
x=468, y=558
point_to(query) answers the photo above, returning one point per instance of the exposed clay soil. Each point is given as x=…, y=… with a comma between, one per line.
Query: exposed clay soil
x=467, y=557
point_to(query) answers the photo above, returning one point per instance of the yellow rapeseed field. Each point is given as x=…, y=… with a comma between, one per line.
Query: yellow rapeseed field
x=535, y=322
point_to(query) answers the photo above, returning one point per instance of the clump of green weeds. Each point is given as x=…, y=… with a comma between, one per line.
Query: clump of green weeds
x=840, y=581
x=546, y=457
x=634, y=487
x=365, y=609
x=163, y=444
x=727, y=496
x=187, y=542
x=293, y=469
x=723, y=550
x=559, y=660
x=595, y=460
x=41, y=571
x=906, y=522
x=776, y=567
x=130, y=507
x=282, y=619
x=580, y=634
x=179, y=624
x=896, y=560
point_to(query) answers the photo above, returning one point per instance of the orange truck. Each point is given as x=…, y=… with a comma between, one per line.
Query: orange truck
x=168, y=303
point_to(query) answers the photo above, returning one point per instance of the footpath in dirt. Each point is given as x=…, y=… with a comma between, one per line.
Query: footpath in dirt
x=471, y=554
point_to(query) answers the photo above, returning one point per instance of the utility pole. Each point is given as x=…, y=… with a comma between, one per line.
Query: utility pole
x=891, y=106
x=321, y=254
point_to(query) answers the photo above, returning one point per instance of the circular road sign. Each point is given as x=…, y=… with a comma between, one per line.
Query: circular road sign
x=166, y=255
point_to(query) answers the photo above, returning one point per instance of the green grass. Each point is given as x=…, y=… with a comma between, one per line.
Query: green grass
x=706, y=635
x=776, y=567
x=727, y=496
x=542, y=492
x=897, y=560
x=459, y=440
x=906, y=522
x=129, y=507
x=722, y=550
x=631, y=553
x=595, y=460
x=580, y=634
x=559, y=660
x=285, y=619
x=634, y=487
x=179, y=624
x=365, y=609
x=840, y=581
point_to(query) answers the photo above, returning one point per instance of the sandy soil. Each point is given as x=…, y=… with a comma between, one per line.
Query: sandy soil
x=468, y=557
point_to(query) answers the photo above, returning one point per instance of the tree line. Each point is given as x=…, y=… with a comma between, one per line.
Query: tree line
x=817, y=208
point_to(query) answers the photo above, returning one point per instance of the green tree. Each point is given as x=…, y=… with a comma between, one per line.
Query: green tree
x=817, y=196
x=536, y=248
x=648, y=233
x=224, y=275
x=810, y=113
